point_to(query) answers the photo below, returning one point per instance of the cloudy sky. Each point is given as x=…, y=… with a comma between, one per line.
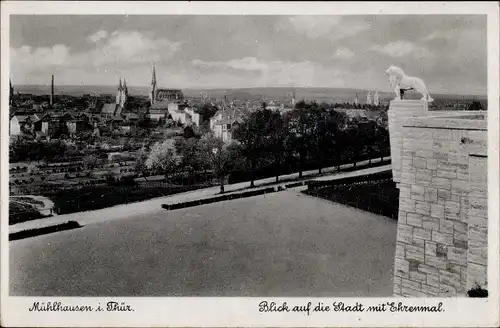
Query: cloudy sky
x=448, y=52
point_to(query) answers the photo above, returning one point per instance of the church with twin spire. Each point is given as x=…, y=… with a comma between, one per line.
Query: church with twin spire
x=122, y=93
x=115, y=110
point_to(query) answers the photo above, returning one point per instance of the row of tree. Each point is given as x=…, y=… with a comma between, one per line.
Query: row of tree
x=311, y=133
x=25, y=148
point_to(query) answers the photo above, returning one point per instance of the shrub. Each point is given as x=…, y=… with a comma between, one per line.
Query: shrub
x=477, y=291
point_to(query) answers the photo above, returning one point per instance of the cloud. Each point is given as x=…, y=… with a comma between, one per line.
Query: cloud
x=38, y=58
x=399, y=49
x=254, y=64
x=436, y=35
x=273, y=73
x=122, y=48
x=246, y=64
x=343, y=53
x=133, y=48
x=331, y=27
x=97, y=36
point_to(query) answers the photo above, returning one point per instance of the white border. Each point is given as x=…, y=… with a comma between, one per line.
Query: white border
x=218, y=312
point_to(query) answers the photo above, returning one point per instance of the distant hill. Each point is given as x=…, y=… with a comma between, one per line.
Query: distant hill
x=77, y=90
x=252, y=94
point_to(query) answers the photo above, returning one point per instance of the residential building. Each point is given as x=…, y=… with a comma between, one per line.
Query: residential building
x=157, y=114
x=183, y=113
x=20, y=124
x=224, y=122
x=42, y=125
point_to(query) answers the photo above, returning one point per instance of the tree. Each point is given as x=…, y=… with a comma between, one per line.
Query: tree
x=369, y=134
x=207, y=111
x=276, y=132
x=326, y=134
x=222, y=157
x=382, y=143
x=145, y=123
x=320, y=138
x=251, y=138
x=188, y=132
x=190, y=154
x=140, y=165
x=20, y=147
x=355, y=139
x=90, y=162
x=163, y=157
x=298, y=122
x=475, y=105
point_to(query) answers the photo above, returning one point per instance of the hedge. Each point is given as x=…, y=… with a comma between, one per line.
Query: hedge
x=45, y=230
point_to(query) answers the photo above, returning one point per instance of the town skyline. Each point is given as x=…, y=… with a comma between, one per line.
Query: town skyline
x=250, y=51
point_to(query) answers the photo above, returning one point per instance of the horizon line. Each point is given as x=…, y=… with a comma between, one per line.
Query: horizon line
x=247, y=87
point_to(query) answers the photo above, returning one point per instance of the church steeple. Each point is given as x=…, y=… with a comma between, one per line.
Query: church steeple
x=152, y=94
x=52, y=91
x=125, y=87
x=153, y=79
x=11, y=92
x=119, y=92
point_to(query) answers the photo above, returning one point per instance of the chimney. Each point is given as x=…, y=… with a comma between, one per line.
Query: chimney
x=52, y=92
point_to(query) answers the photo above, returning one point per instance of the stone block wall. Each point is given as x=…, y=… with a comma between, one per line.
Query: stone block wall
x=398, y=110
x=442, y=228
x=478, y=223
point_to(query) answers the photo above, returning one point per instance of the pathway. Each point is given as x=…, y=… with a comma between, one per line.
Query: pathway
x=154, y=205
x=46, y=209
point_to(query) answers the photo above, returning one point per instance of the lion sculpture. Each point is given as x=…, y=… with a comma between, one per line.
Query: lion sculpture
x=399, y=81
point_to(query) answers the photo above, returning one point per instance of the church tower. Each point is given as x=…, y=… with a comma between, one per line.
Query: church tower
x=52, y=92
x=152, y=94
x=119, y=93
x=376, y=100
x=11, y=92
x=125, y=89
x=369, y=98
x=124, y=93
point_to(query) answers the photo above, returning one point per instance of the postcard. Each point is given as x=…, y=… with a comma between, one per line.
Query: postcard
x=248, y=164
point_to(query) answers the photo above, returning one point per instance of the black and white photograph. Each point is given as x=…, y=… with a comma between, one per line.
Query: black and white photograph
x=251, y=155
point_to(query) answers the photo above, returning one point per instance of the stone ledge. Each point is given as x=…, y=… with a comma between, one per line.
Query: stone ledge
x=448, y=122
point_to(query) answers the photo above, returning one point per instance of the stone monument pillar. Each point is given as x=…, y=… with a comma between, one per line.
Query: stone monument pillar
x=398, y=110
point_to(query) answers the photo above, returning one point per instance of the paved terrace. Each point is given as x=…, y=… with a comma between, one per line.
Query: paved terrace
x=279, y=244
